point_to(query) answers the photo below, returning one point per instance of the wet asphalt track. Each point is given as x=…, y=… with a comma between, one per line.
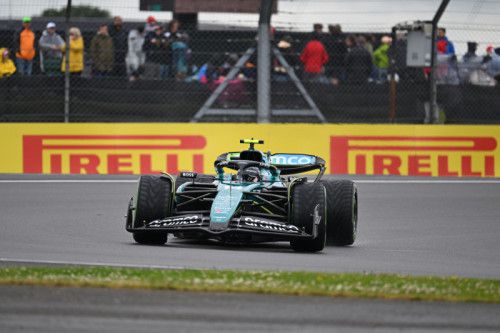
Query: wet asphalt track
x=38, y=309
x=437, y=228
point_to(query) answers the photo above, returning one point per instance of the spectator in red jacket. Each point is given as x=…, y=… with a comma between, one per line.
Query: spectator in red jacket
x=314, y=57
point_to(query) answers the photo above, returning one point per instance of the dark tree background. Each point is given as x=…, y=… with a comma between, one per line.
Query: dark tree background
x=77, y=11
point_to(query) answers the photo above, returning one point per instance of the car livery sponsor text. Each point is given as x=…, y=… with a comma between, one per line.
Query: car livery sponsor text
x=268, y=225
x=175, y=221
x=292, y=159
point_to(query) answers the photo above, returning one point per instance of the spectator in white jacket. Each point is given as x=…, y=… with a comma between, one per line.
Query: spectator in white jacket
x=51, y=47
x=136, y=57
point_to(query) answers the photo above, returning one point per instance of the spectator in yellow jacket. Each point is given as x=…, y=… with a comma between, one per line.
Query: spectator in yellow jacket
x=75, y=53
x=7, y=67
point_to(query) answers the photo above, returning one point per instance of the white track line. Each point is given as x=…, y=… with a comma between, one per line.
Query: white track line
x=428, y=181
x=83, y=263
x=71, y=181
x=361, y=181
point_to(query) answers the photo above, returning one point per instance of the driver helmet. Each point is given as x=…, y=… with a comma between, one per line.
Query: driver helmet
x=251, y=175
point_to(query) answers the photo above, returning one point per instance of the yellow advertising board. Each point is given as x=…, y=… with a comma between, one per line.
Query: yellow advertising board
x=123, y=148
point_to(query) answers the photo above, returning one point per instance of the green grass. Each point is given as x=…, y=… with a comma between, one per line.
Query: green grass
x=386, y=286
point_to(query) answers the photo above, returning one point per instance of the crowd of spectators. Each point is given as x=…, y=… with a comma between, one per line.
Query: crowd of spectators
x=336, y=58
x=151, y=50
x=161, y=51
x=357, y=59
x=166, y=50
x=472, y=68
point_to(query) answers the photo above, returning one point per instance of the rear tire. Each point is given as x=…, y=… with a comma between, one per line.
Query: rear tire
x=154, y=197
x=342, y=203
x=308, y=202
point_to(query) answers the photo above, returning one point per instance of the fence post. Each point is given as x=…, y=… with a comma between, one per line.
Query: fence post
x=264, y=63
x=434, y=112
x=392, y=77
x=67, y=76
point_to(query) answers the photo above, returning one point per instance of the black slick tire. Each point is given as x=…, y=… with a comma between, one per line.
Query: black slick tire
x=154, y=197
x=342, y=212
x=309, y=207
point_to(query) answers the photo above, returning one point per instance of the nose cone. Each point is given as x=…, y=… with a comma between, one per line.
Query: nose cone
x=224, y=206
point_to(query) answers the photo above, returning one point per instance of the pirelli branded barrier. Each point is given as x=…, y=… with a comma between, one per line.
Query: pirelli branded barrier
x=456, y=151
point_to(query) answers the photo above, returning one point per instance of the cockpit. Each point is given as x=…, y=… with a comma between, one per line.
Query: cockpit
x=250, y=175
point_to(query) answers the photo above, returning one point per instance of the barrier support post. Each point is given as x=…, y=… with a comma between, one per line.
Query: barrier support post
x=434, y=113
x=264, y=63
x=67, y=76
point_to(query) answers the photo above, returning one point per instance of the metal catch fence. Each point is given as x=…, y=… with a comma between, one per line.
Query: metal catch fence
x=174, y=71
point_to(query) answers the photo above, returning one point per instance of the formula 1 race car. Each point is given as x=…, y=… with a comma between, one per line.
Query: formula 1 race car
x=253, y=203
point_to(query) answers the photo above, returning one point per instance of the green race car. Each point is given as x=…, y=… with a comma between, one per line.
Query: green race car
x=252, y=198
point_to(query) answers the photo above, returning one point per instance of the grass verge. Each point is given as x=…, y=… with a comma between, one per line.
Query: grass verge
x=387, y=286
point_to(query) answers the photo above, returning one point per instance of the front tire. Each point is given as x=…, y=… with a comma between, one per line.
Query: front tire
x=154, y=198
x=342, y=206
x=308, y=208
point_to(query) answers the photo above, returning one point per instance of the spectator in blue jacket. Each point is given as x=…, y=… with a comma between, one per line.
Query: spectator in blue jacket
x=450, y=48
x=179, y=50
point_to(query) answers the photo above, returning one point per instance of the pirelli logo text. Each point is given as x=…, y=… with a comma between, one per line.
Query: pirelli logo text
x=112, y=154
x=414, y=155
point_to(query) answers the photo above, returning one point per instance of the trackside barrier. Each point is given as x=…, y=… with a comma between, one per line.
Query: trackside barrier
x=413, y=150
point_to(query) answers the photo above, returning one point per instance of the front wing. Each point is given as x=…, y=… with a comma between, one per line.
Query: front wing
x=243, y=224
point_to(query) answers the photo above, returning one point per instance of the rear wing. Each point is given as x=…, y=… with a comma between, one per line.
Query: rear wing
x=288, y=164
x=230, y=156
